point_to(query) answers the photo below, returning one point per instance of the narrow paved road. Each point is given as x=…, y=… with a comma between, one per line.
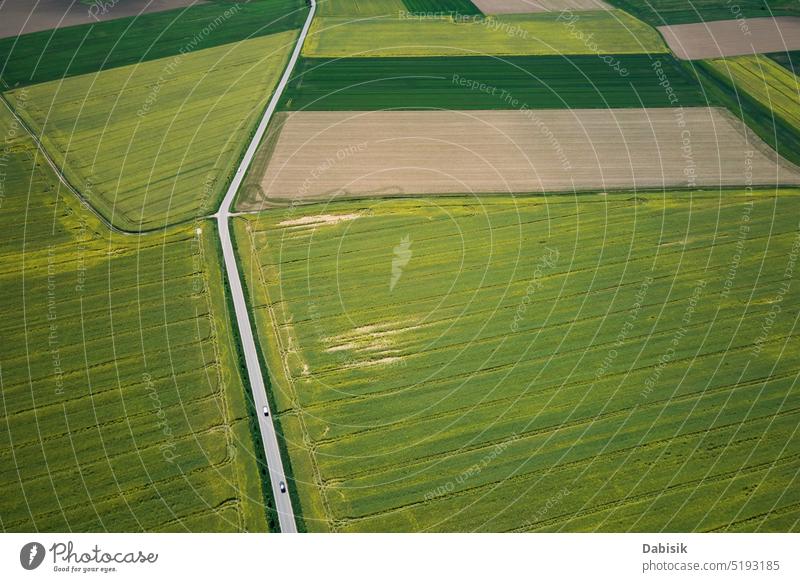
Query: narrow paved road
x=243, y=321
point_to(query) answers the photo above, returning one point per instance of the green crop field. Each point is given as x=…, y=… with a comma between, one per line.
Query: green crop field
x=760, y=91
x=600, y=32
x=552, y=363
x=660, y=12
x=361, y=8
x=77, y=50
x=156, y=144
x=789, y=60
x=765, y=81
x=489, y=83
x=464, y=7
x=122, y=405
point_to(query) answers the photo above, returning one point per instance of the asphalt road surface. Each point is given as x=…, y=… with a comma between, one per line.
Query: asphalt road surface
x=243, y=321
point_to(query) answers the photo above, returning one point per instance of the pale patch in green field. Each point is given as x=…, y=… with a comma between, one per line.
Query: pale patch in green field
x=593, y=362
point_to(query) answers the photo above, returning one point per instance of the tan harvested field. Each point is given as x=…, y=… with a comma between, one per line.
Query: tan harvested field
x=524, y=6
x=728, y=38
x=23, y=17
x=322, y=155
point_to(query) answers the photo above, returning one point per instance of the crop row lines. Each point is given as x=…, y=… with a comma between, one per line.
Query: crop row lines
x=686, y=485
x=289, y=380
x=535, y=395
x=122, y=492
x=548, y=430
x=110, y=423
x=538, y=362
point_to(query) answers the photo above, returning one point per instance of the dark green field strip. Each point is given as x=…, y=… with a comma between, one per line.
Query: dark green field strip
x=544, y=82
x=776, y=133
x=789, y=59
x=661, y=12
x=441, y=7
x=66, y=52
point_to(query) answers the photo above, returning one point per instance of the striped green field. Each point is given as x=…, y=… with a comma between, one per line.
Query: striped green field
x=545, y=82
x=659, y=12
x=156, y=144
x=77, y=50
x=763, y=93
x=122, y=406
x=459, y=7
x=599, y=32
x=789, y=60
x=590, y=363
x=360, y=8
x=765, y=81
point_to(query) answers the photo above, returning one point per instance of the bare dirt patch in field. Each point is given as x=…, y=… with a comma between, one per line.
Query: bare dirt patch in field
x=319, y=220
x=23, y=17
x=525, y=6
x=727, y=38
x=322, y=155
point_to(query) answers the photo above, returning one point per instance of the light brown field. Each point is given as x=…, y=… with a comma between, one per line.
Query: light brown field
x=322, y=155
x=727, y=38
x=524, y=6
x=23, y=17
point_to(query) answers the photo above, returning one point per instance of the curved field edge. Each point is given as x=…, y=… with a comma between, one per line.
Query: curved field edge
x=363, y=486
x=137, y=435
x=155, y=145
x=78, y=50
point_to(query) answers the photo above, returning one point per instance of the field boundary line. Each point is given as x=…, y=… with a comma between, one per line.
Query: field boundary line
x=84, y=202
